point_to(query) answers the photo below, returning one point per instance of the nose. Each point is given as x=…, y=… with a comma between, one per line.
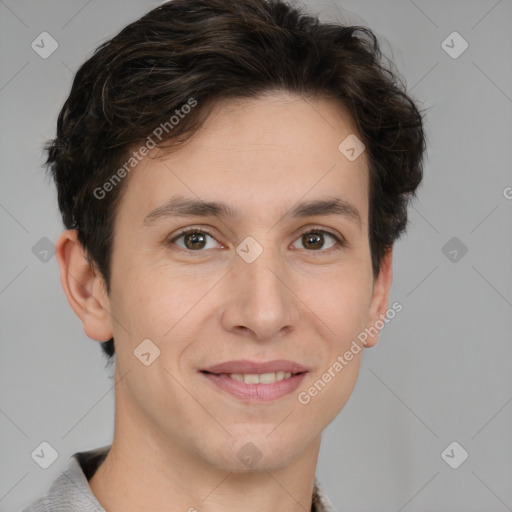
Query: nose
x=260, y=301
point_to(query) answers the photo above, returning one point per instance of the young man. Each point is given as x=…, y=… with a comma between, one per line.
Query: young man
x=232, y=176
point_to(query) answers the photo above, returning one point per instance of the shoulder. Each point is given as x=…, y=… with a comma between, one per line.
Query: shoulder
x=321, y=502
x=70, y=491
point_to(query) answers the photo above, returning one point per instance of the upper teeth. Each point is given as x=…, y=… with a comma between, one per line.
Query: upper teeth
x=263, y=378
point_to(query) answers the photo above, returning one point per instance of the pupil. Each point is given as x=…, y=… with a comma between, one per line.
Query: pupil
x=193, y=238
x=312, y=236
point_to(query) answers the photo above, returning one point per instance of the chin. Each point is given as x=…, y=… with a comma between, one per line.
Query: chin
x=257, y=453
x=265, y=463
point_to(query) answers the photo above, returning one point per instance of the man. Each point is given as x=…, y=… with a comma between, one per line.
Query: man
x=232, y=176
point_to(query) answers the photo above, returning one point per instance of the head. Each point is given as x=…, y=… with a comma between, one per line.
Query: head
x=245, y=103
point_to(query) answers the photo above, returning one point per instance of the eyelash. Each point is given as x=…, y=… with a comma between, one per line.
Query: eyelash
x=340, y=242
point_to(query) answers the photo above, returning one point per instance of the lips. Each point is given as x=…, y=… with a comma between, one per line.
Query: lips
x=244, y=366
x=255, y=382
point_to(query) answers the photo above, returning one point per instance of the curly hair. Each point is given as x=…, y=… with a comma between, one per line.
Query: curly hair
x=219, y=49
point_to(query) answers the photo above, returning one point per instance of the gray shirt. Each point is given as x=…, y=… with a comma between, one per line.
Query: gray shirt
x=70, y=491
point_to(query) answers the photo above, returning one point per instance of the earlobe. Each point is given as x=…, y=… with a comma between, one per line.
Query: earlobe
x=380, y=299
x=84, y=288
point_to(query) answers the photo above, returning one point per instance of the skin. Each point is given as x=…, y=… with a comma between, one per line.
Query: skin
x=176, y=435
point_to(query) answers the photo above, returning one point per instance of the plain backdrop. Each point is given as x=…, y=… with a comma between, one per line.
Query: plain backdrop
x=441, y=372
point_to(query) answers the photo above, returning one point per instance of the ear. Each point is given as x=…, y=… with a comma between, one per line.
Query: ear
x=84, y=288
x=380, y=299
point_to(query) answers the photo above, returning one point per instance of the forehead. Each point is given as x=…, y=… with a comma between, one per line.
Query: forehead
x=257, y=154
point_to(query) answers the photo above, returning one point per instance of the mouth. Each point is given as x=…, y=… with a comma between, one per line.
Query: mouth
x=247, y=367
x=256, y=382
x=255, y=378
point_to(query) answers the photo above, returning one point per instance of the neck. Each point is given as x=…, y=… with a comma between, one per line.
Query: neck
x=145, y=471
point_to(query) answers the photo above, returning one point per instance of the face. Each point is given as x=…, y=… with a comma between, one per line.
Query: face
x=262, y=281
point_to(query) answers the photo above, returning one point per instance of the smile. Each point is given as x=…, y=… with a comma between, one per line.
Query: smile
x=263, y=378
x=253, y=388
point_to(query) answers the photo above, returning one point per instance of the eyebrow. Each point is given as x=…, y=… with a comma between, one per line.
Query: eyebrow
x=179, y=206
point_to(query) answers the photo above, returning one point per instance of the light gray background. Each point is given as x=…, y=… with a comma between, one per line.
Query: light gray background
x=442, y=369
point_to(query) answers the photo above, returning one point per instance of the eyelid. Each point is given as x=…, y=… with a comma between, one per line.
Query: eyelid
x=340, y=240
x=322, y=229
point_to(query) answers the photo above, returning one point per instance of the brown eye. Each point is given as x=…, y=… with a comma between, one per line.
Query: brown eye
x=193, y=240
x=314, y=240
x=196, y=240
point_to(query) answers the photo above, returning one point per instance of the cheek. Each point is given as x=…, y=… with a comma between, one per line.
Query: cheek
x=325, y=394
x=158, y=304
x=340, y=307
x=342, y=304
